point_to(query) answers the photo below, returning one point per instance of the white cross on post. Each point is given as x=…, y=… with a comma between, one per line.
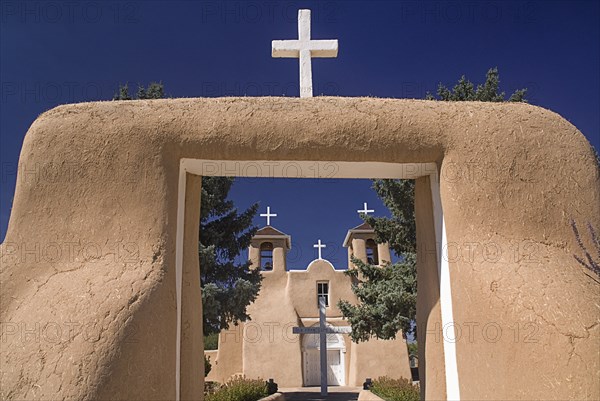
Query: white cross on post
x=268, y=215
x=319, y=246
x=304, y=48
x=366, y=210
x=322, y=331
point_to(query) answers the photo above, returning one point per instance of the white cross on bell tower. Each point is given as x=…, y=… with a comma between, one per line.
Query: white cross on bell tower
x=304, y=48
x=366, y=210
x=268, y=215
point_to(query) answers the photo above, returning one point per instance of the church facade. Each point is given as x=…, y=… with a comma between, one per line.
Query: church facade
x=265, y=347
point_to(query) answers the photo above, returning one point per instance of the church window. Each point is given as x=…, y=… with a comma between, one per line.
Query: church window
x=323, y=292
x=372, y=255
x=266, y=256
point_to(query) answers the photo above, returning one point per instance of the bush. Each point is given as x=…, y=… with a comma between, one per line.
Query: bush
x=211, y=342
x=207, y=365
x=395, y=389
x=210, y=387
x=239, y=389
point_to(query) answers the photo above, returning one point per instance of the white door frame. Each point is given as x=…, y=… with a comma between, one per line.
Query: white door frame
x=323, y=169
x=340, y=346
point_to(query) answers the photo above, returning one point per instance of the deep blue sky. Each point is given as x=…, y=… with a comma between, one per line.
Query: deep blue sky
x=64, y=52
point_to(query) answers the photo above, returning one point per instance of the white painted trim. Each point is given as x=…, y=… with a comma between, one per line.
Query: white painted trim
x=447, y=315
x=179, y=270
x=316, y=169
x=315, y=261
x=307, y=169
x=306, y=270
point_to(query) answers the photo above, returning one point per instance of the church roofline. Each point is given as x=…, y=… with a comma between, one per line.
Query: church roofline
x=313, y=262
x=347, y=240
x=320, y=260
x=270, y=232
x=363, y=228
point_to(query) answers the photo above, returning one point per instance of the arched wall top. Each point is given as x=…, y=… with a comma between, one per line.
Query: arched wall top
x=502, y=150
x=319, y=264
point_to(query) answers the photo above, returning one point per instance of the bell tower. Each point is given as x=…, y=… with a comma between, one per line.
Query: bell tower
x=361, y=244
x=269, y=247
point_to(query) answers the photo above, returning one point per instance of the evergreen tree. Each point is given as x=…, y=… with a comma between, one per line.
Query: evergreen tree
x=123, y=93
x=464, y=90
x=154, y=91
x=387, y=299
x=387, y=295
x=228, y=286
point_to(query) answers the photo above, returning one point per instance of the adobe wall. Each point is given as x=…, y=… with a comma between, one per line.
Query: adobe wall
x=302, y=288
x=214, y=374
x=376, y=358
x=228, y=359
x=511, y=177
x=270, y=342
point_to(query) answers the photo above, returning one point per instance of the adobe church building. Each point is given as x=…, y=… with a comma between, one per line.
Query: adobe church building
x=265, y=346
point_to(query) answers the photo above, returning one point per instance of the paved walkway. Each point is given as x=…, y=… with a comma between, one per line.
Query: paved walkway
x=314, y=394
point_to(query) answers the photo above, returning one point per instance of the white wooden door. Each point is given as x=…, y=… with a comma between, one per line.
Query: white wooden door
x=312, y=368
x=335, y=369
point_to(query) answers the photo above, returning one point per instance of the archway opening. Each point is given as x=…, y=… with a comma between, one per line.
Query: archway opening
x=434, y=305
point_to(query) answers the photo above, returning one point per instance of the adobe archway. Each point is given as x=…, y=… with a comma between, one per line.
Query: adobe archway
x=511, y=176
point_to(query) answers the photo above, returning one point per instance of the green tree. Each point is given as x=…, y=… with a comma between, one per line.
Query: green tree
x=387, y=294
x=413, y=348
x=154, y=91
x=123, y=93
x=228, y=286
x=211, y=342
x=465, y=90
x=387, y=300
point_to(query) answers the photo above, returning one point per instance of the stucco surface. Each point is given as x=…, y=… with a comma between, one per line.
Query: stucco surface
x=107, y=174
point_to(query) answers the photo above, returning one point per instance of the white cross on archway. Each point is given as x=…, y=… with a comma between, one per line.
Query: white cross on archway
x=366, y=210
x=268, y=215
x=304, y=48
x=319, y=246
